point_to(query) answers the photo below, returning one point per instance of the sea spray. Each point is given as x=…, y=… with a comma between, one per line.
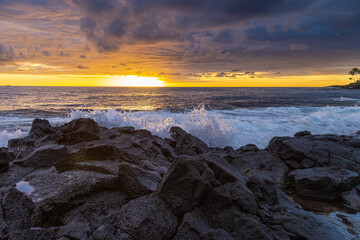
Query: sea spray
x=220, y=128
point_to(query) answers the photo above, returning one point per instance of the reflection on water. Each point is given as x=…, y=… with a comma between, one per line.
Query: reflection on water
x=24, y=187
x=56, y=101
x=238, y=115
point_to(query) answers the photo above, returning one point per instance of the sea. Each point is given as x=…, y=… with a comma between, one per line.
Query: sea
x=218, y=116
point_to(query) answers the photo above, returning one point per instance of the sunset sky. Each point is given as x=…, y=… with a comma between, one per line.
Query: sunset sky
x=178, y=42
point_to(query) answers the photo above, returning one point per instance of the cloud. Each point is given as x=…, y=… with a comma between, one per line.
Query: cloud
x=298, y=46
x=182, y=35
x=6, y=53
x=110, y=24
x=46, y=53
x=82, y=67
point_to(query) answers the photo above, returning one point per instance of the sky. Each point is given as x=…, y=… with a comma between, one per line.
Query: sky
x=257, y=43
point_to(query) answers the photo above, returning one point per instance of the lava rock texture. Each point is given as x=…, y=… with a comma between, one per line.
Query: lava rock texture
x=82, y=181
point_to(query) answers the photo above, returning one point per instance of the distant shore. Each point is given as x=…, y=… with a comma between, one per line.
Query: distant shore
x=355, y=85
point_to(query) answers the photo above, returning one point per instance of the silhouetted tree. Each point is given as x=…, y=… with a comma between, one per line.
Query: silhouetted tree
x=355, y=72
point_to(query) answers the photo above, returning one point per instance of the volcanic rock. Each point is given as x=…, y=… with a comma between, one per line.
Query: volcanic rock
x=186, y=144
x=324, y=183
x=82, y=181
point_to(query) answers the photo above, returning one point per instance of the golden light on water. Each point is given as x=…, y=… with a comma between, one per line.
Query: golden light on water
x=135, y=81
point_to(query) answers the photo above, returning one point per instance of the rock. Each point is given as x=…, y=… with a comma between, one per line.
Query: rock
x=248, y=148
x=222, y=213
x=75, y=230
x=218, y=234
x=306, y=225
x=103, y=166
x=316, y=151
x=108, y=232
x=96, y=152
x=259, y=162
x=187, y=144
x=228, y=149
x=82, y=181
x=41, y=128
x=139, y=146
x=53, y=192
x=3, y=226
x=5, y=158
x=80, y=130
x=224, y=172
x=186, y=184
x=13, y=175
x=94, y=209
x=352, y=199
x=136, y=181
x=322, y=183
x=35, y=233
x=47, y=156
x=302, y=134
x=147, y=217
x=19, y=210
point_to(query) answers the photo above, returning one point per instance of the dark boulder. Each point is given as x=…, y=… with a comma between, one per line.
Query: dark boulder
x=41, y=128
x=302, y=134
x=322, y=183
x=186, y=183
x=19, y=210
x=136, y=181
x=108, y=232
x=316, y=151
x=47, y=156
x=259, y=162
x=35, y=233
x=147, y=217
x=5, y=158
x=79, y=130
x=351, y=199
x=187, y=144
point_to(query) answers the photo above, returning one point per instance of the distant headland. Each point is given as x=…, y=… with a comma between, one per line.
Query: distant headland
x=355, y=85
x=354, y=75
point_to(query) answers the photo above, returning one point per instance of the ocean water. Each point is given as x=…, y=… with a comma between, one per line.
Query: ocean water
x=219, y=116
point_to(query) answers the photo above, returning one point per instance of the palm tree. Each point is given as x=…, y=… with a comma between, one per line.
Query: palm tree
x=356, y=73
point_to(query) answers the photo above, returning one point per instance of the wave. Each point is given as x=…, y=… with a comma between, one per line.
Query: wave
x=347, y=99
x=225, y=127
x=5, y=136
x=235, y=127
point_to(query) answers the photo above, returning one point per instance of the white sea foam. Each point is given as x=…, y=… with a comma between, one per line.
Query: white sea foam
x=6, y=135
x=229, y=127
x=344, y=99
x=236, y=127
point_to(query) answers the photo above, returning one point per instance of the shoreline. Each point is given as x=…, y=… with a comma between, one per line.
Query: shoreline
x=355, y=85
x=83, y=181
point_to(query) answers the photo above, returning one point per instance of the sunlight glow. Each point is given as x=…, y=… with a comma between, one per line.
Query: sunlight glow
x=135, y=81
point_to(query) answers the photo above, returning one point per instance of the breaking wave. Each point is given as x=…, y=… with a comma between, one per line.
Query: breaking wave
x=222, y=127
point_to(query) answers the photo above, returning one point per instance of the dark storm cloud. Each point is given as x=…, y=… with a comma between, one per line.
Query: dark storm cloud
x=95, y=6
x=225, y=36
x=259, y=35
x=111, y=23
x=328, y=24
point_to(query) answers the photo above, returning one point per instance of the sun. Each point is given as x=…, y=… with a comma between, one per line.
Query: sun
x=135, y=81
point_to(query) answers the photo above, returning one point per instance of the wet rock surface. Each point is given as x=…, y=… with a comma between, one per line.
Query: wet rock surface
x=83, y=181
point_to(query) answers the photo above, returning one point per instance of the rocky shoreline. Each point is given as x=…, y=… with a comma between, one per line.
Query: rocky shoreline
x=83, y=181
